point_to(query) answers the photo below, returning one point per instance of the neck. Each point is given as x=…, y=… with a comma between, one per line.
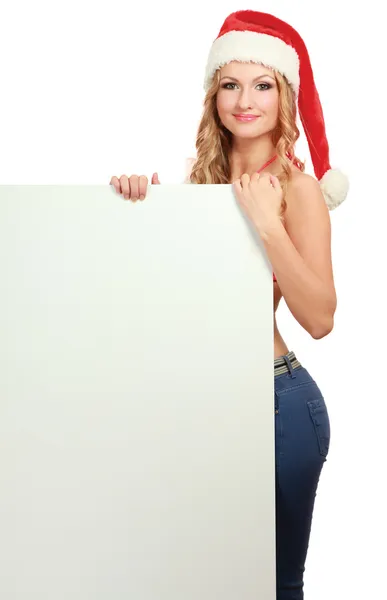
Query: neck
x=249, y=155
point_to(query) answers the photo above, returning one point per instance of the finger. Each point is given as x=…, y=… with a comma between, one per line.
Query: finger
x=115, y=183
x=237, y=185
x=245, y=180
x=266, y=177
x=255, y=177
x=142, y=186
x=155, y=179
x=134, y=191
x=125, y=189
x=275, y=182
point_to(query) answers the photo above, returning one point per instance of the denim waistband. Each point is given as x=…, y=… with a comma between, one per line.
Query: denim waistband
x=284, y=364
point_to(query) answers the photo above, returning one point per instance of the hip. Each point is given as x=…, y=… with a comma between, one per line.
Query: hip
x=299, y=402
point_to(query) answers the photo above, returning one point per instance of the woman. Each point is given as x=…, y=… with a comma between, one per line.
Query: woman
x=258, y=74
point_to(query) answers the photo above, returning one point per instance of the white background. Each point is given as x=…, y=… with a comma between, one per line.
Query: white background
x=94, y=90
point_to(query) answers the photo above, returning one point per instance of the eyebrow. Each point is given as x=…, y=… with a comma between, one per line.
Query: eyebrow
x=256, y=79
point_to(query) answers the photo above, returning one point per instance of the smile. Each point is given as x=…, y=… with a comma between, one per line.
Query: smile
x=246, y=118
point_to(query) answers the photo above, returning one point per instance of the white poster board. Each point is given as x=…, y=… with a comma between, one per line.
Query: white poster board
x=136, y=397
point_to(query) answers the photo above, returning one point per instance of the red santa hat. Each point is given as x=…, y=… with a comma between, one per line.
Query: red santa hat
x=250, y=36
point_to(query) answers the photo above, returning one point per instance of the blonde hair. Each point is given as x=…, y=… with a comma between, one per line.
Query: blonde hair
x=214, y=141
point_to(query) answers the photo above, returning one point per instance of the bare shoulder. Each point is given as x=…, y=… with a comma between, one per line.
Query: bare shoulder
x=304, y=199
x=300, y=180
x=308, y=224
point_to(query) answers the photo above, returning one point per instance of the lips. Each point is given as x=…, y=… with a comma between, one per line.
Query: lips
x=246, y=117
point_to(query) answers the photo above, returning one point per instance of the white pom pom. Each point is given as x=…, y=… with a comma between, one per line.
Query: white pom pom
x=334, y=186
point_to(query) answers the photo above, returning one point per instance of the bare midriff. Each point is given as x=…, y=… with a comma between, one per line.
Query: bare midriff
x=280, y=346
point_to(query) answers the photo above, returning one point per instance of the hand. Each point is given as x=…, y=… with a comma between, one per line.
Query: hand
x=133, y=187
x=260, y=197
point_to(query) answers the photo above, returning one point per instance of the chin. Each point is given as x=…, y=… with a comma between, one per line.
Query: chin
x=245, y=134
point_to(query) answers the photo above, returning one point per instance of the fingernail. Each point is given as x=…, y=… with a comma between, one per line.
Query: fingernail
x=142, y=197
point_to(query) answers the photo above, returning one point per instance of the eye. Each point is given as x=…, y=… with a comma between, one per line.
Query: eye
x=268, y=86
x=225, y=86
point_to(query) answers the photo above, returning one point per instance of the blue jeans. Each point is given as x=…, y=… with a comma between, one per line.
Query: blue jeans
x=302, y=436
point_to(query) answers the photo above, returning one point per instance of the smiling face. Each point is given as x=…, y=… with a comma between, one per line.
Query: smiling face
x=252, y=89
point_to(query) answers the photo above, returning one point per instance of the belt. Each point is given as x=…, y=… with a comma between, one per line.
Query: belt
x=280, y=364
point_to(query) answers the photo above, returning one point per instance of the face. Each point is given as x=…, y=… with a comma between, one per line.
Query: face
x=247, y=88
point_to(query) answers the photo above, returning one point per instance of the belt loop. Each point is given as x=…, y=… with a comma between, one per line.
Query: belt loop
x=289, y=365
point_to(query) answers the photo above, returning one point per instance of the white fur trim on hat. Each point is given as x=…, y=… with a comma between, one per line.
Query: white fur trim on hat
x=334, y=186
x=246, y=46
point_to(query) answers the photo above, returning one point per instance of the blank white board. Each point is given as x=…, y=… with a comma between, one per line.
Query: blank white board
x=136, y=397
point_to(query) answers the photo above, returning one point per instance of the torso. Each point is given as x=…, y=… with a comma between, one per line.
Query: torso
x=280, y=346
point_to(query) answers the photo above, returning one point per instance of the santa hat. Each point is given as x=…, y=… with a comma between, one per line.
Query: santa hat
x=250, y=36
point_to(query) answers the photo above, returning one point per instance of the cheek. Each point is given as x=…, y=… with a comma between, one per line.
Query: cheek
x=224, y=103
x=269, y=104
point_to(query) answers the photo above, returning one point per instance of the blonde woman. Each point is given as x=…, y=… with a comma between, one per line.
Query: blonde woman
x=258, y=78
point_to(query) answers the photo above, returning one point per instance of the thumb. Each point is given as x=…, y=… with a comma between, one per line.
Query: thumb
x=155, y=179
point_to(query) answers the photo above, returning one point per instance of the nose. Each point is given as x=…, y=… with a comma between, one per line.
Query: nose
x=245, y=101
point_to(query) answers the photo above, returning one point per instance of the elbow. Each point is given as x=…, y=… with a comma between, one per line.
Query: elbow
x=323, y=325
x=322, y=329
x=318, y=321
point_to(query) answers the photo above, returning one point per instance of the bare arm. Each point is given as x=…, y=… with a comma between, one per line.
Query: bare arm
x=300, y=253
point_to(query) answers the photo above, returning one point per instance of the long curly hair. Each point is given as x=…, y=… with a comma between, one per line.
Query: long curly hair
x=214, y=141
